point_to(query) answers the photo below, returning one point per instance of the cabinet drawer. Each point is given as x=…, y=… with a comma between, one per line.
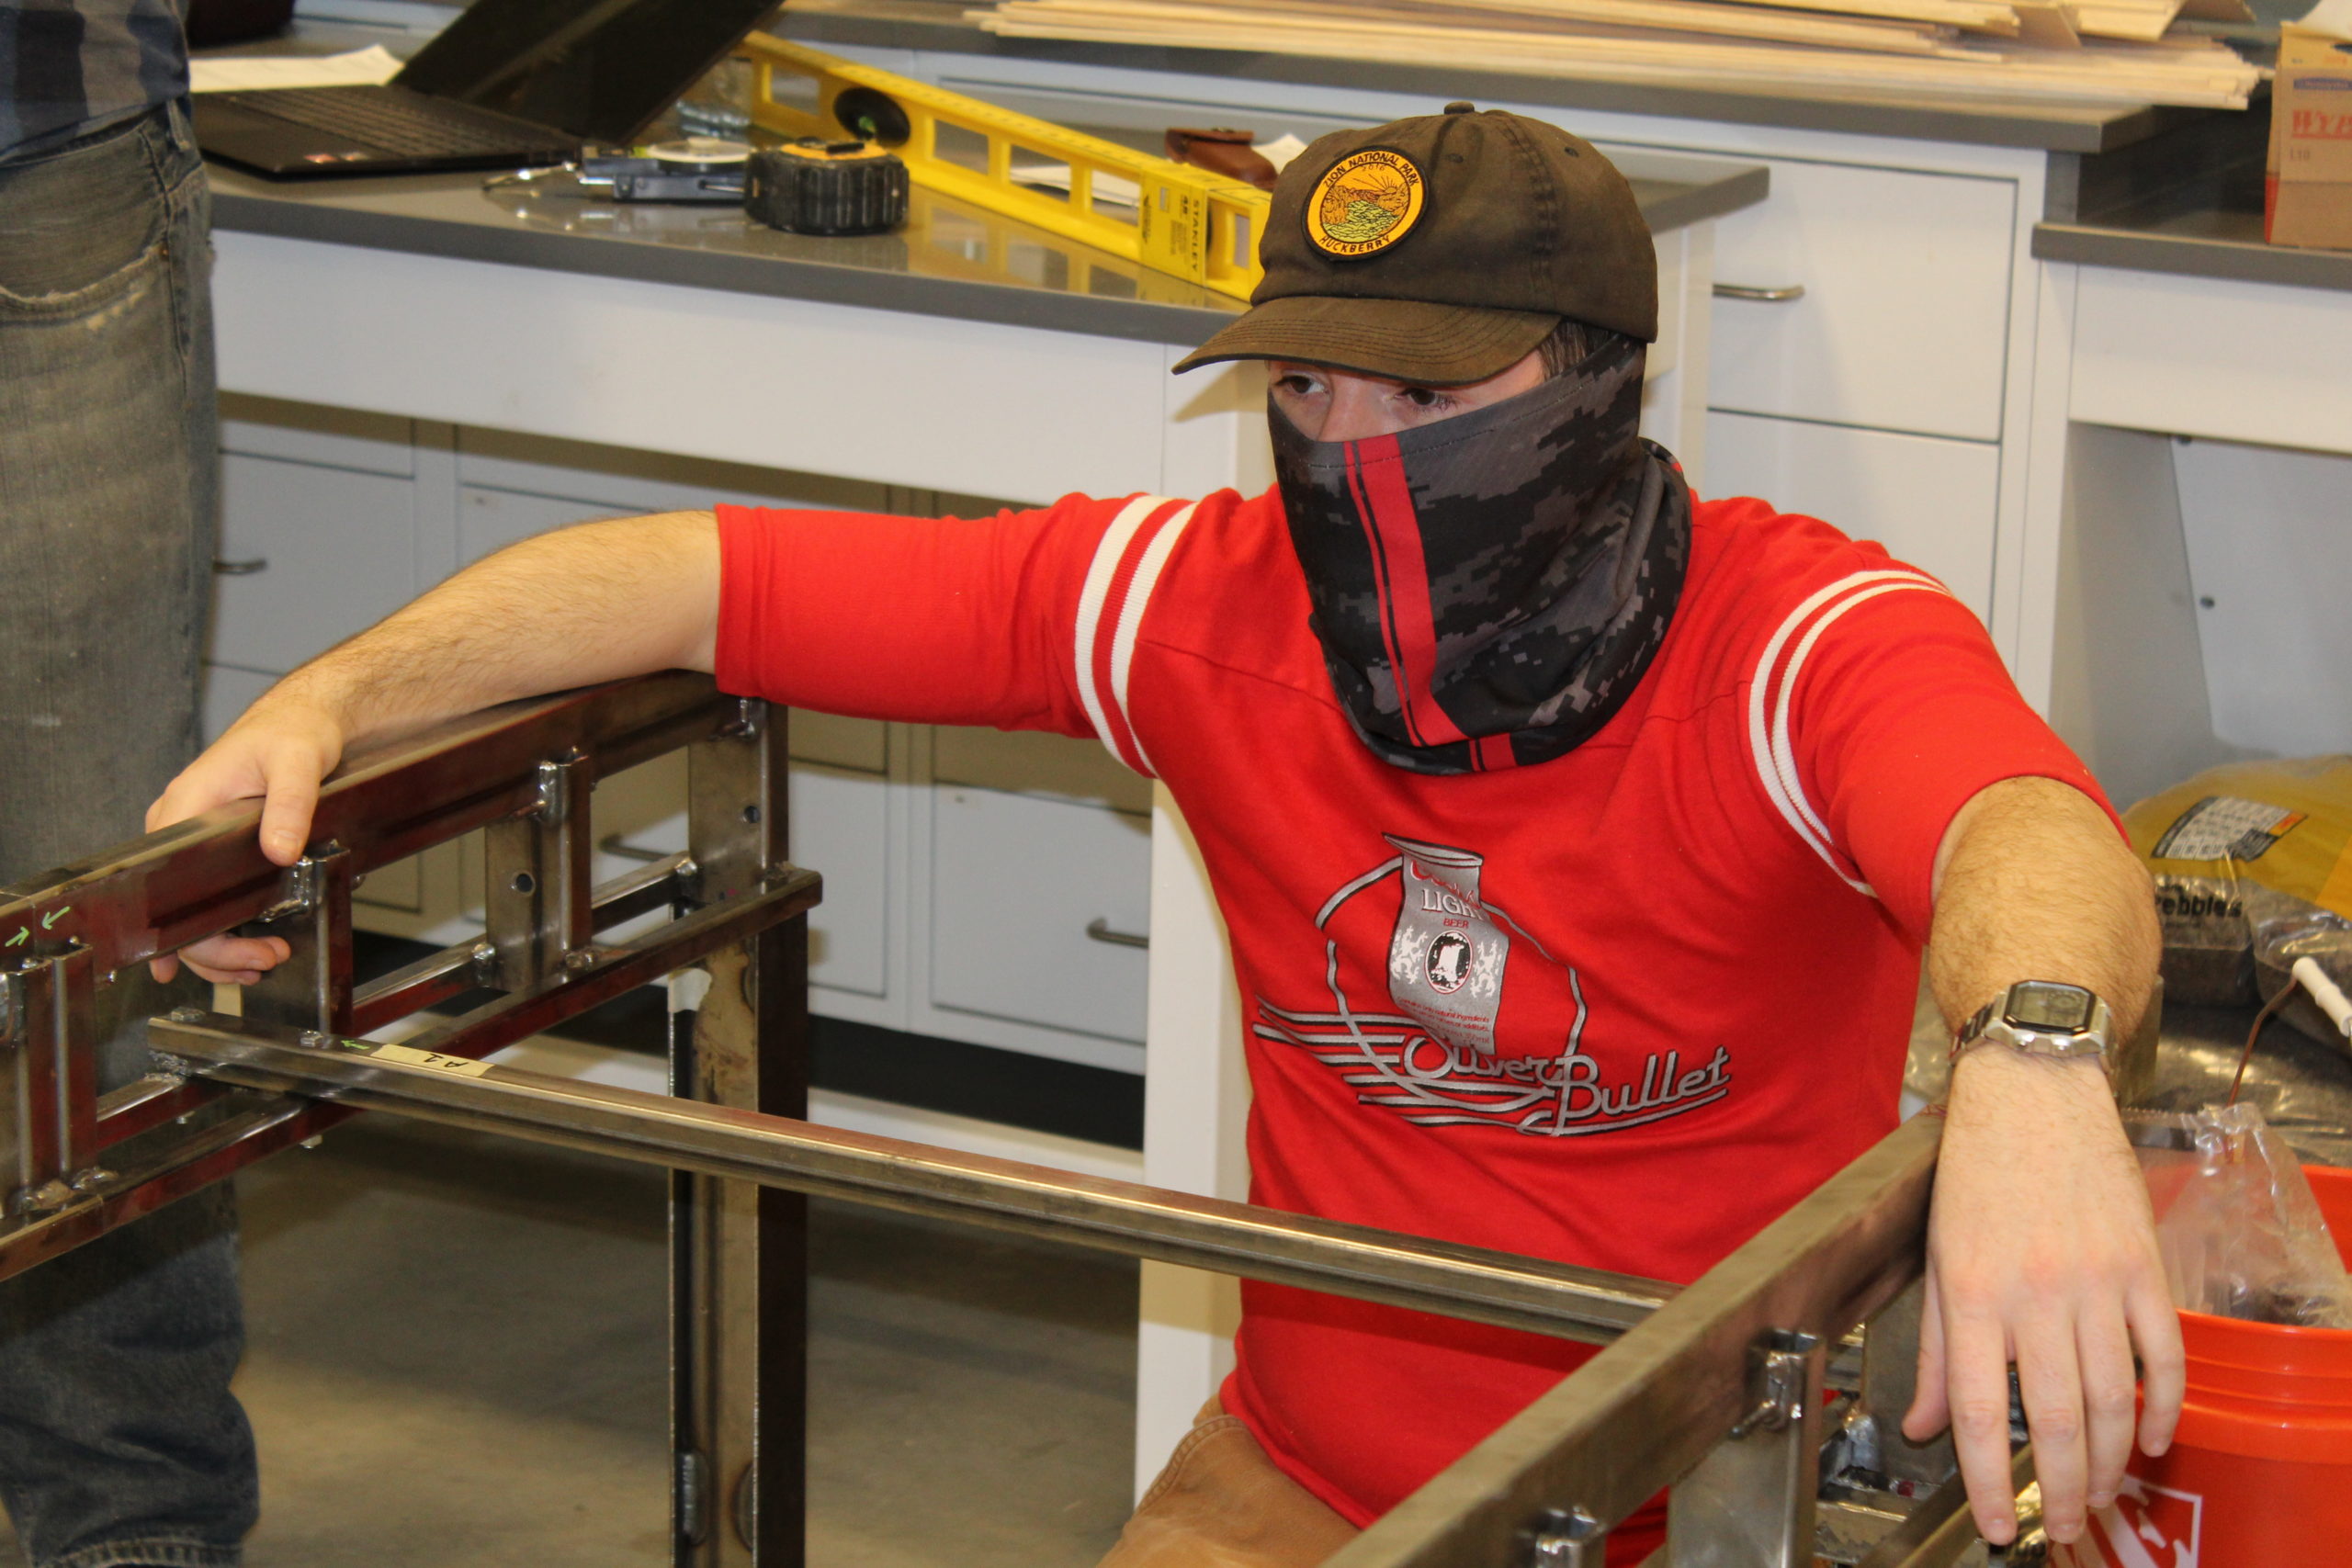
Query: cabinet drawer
x=492, y=519
x=1904, y=323
x=228, y=691
x=306, y=433
x=323, y=552
x=862, y=744
x=840, y=827
x=1031, y=762
x=1930, y=503
x=1016, y=882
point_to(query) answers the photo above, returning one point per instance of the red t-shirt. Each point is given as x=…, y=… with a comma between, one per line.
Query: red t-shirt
x=1621, y=1009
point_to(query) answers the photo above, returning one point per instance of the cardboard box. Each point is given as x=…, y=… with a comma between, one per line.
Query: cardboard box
x=2307, y=195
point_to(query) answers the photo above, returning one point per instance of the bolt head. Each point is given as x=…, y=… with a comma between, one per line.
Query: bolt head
x=315, y=1040
x=185, y=1015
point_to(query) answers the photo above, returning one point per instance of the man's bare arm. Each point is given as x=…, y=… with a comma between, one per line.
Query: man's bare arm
x=2041, y=1248
x=594, y=603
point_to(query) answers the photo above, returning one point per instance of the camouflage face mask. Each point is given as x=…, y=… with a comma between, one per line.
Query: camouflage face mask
x=1488, y=589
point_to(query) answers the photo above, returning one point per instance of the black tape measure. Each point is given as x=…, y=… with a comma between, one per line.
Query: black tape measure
x=815, y=187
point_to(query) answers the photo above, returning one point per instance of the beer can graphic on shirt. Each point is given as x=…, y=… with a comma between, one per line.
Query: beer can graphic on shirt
x=1446, y=957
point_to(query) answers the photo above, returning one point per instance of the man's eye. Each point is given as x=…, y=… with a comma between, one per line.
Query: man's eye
x=1426, y=398
x=1296, y=386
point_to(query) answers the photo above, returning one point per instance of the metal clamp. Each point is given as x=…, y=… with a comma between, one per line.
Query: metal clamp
x=1784, y=1378
x=1564, y=1538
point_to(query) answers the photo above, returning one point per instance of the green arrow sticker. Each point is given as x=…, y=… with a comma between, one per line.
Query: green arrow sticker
x=54, y=916
x=19, y=940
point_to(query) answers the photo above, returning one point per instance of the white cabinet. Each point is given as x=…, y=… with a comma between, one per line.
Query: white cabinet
x=1902, y=323
x=227, y=693
x=1931, y=502
x=309, y=555
x=961, y=908
x=1038, y=912
x=840, y=827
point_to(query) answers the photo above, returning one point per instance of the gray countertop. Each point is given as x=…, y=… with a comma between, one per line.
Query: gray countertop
x=2071, y=128
x=2188, y=201
x=951, y=260
x=2221, y=239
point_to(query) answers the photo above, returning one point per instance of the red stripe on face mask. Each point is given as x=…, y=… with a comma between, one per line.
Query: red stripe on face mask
x=1385, y=502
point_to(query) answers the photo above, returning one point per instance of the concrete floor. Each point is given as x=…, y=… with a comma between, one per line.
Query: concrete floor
x=459, y=1357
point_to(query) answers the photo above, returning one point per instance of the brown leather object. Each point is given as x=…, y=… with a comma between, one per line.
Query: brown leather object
x=1222, y=151
x=211, y=23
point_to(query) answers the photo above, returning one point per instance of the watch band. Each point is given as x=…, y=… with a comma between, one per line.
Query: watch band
x=2042, y=1018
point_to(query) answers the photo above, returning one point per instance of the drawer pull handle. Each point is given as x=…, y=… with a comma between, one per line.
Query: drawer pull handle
x=1099, y=929
x=1787, y=294
x=240, y=567
x=614, y=845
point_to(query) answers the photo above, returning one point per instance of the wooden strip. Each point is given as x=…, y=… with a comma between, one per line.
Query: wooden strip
x=2138, y=20
x=1997, y=17
x=1671, y=15
x=2217, y=10
x=2046, y=23
x=1688, y=61
x=1180, y=17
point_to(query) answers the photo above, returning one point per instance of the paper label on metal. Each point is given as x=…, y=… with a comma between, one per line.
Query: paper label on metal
x=409, y=1056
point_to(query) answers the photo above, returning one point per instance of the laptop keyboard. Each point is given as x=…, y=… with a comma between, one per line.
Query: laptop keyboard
x=383, y=120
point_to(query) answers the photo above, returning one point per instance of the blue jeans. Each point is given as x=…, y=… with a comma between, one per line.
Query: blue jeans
x=120, y=1441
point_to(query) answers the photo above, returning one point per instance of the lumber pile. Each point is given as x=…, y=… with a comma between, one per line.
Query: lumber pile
x=2084, y=52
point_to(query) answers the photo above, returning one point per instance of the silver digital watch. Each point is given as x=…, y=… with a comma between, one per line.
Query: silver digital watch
x=2044, y=1018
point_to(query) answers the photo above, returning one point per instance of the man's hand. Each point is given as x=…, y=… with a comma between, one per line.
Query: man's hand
x=597, y=601
x=278, y=752
x=2041, y=1251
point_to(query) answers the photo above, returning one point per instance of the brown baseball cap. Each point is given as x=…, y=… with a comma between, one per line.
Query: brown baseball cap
x=1443, y=249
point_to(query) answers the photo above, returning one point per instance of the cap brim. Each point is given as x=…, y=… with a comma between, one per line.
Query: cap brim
x=1405, y=339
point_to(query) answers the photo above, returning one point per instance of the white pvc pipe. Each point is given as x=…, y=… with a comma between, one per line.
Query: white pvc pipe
x=2326, y=992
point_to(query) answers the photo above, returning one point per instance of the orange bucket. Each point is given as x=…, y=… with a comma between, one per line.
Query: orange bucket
x=2260, y=1473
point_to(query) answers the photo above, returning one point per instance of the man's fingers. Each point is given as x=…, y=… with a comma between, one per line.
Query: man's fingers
x=235, y=960
x=2104, y=1345
x=1977, y=1384
x=294, y=774
x=2164, y=1373
x=2050, y=1378
x=1929, y=1413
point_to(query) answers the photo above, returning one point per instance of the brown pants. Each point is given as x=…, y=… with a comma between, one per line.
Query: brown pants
x=1221, y=1502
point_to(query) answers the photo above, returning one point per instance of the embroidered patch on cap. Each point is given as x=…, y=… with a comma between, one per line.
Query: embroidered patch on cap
x=1366, y=203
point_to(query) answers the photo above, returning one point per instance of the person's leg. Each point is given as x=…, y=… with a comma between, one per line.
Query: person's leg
x=120, y=1441
x=1221, y=1502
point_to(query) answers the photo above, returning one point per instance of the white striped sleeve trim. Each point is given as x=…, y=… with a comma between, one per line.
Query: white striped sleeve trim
x=1156, y=552
x=1772, y=695
x=1110, y=615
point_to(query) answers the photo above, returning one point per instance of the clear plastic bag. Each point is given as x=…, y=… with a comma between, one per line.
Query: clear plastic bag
x=2285, y=929
x=2240, y=1233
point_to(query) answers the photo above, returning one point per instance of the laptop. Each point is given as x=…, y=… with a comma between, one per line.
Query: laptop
x=510, y=84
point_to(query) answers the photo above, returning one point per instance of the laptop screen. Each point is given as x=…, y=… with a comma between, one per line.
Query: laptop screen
x=599, y=69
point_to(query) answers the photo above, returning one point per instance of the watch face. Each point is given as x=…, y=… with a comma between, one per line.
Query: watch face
x=2044, y=1004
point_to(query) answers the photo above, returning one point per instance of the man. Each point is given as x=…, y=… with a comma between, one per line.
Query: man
x=120, y=1441
x=1577, y=840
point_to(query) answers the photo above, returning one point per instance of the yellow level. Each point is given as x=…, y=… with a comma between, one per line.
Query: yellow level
x=1188, y=221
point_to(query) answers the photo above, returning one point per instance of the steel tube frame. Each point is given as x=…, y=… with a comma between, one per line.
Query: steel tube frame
x=73, y=1165
x=1499, y=1288
x=1717, y=1386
